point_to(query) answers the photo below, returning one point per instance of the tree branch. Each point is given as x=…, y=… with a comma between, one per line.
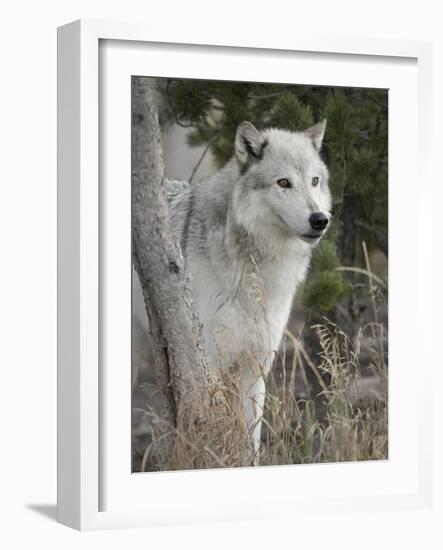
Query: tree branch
x=173, y=109
x=375, y=100
x=204, y=153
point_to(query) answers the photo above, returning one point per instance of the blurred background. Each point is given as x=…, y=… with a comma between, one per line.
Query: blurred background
x=347, y=284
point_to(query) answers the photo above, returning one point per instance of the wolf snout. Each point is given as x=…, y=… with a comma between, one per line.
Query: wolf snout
x=318, y=221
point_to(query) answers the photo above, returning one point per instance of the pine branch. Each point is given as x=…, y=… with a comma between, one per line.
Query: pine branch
x=375, y=100
x=173, y=109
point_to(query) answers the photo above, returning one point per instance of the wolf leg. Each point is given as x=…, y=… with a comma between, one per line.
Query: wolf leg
x=253, y=393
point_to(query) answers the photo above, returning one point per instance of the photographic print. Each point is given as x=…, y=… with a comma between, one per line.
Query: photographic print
x=260, y=274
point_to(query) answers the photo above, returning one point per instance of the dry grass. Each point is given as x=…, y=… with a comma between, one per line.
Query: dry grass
x=207, y=436
x=347, y=420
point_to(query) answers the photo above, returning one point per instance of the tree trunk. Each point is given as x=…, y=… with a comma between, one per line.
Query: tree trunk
x=181, y=362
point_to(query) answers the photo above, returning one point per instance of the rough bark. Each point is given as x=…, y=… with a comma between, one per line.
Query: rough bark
x=187, y=385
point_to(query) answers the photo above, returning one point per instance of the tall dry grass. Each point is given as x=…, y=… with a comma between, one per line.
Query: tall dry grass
x=346, y=421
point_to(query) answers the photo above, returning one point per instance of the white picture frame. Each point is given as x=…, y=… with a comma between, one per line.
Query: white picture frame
x=83, y=398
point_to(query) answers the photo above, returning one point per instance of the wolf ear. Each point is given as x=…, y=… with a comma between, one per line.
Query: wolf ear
x=316, y=133
x=249, y=143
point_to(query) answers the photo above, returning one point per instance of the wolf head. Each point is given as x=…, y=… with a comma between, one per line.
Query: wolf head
x=283, y=182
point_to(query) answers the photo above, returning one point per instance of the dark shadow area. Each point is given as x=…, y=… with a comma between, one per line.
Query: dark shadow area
x=48, y=511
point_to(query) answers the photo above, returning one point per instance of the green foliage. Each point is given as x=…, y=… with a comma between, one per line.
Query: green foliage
x=338, y=112
x=355, y=149
x=191, y=101
x=362, y=170
x=326, y=286
x=325, y=258
x=322, y=292
x=291, y=114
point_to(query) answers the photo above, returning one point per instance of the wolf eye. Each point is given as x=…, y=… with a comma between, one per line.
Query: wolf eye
x=315, y=181
x=284, y=183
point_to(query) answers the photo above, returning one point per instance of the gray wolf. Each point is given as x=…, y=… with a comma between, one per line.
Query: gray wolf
x=247, y=235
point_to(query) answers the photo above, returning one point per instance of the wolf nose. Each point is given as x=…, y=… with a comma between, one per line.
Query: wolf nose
x=318, y=221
